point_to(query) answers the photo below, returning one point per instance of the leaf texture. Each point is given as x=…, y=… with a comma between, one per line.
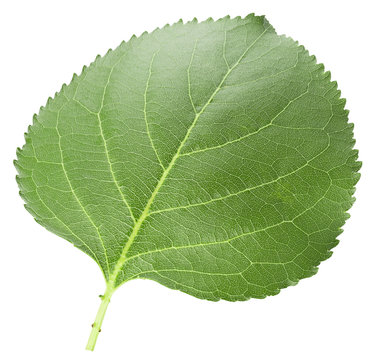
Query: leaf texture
x=215, y=158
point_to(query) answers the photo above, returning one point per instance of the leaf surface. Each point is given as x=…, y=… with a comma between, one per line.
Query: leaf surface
x=215, y=158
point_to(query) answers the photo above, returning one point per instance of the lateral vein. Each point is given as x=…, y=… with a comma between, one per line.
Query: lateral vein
x=74, y=193
x=106, y=146
x=145, y=111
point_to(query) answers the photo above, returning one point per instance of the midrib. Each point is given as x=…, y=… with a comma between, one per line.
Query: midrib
x=119, y=265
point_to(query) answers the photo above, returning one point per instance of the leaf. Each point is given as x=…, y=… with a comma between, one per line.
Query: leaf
x=214, y=158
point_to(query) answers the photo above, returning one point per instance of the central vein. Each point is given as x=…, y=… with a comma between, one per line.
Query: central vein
x=119, y=265
x=145, y=212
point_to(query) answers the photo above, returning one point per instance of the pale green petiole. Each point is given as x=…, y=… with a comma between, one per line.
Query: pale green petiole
x=96, y=326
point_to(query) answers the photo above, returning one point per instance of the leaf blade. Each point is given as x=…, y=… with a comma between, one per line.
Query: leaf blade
x=254, y=126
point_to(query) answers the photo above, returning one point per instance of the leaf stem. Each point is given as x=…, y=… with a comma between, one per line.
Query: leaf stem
x=96, y=326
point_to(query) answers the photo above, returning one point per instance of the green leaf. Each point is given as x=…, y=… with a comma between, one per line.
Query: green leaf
x=214, y=158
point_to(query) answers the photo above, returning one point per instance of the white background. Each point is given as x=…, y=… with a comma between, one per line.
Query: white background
x=49, y=289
